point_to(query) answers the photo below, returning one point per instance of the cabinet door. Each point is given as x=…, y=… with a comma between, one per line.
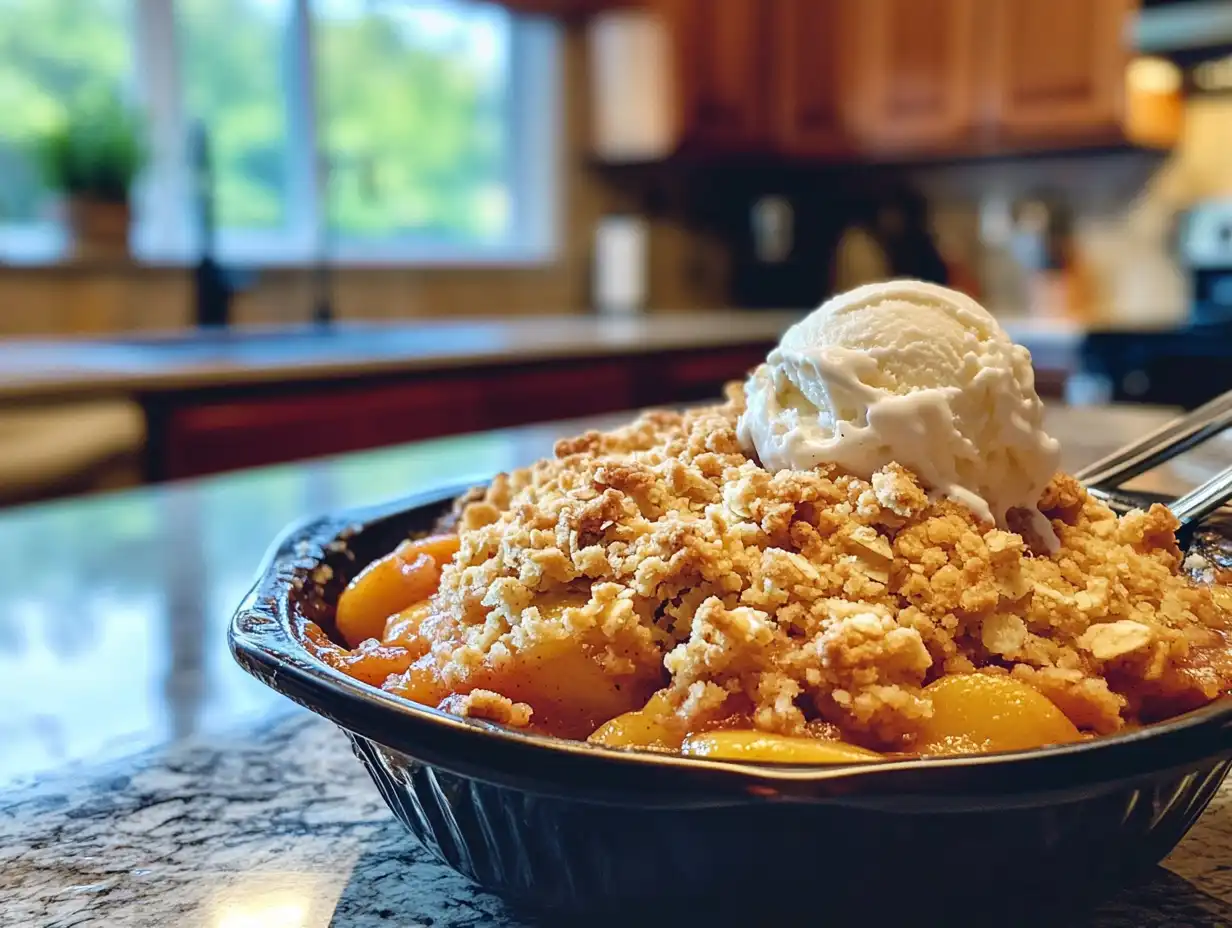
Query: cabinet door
x=914, y=69
x=1059, y=69
x=809, y=64
x=721, y=75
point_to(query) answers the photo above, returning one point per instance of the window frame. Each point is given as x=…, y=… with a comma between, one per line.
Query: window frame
x=166, y=233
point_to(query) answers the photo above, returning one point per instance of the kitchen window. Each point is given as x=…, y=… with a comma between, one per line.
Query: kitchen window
x=364, y=131
x=50, y=51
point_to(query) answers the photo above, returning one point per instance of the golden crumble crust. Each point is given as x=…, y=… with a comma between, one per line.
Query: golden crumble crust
x=802, y=598
x=489, y=706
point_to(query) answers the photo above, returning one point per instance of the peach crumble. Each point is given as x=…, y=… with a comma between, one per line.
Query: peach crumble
x=658, y=587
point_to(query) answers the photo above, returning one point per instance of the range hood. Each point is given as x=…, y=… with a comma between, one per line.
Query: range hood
x=1187, y=31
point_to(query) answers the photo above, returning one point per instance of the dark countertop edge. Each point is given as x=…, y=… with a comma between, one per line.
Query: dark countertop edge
x=93, y=382
x=1053, y=344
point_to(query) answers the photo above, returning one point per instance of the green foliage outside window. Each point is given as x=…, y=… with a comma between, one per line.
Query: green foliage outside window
x=53, y=54
x=412, y=113
x=413, y=122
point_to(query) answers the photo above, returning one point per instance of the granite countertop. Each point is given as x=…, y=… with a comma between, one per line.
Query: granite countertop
x=45, y=368
x=145, y=780
x=60, y=368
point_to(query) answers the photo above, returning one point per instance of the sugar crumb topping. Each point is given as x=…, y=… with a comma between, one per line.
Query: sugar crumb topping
x=802, y=598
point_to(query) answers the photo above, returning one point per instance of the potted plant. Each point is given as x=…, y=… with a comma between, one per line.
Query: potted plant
x=93, y=157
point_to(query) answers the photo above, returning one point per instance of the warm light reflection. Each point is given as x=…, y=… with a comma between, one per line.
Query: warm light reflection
x=266, y=911
x=1153, y=75
x=1155, y=109
x=125, y=598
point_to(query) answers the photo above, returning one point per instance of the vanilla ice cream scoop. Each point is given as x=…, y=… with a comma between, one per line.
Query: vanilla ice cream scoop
x=913, y=373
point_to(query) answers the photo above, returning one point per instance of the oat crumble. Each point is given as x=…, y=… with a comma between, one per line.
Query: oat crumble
x=798, y=599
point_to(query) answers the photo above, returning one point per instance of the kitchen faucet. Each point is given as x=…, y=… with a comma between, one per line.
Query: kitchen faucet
x=213, y=290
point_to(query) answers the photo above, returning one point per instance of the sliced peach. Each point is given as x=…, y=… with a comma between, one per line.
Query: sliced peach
x=568, y=688
x=403, y=629
x=563, y=680
x=974, y=713
x=399, y=580
x=441, y=548
x=654, y=727
x=373, y=663
x=782, y=749
x=419, y=683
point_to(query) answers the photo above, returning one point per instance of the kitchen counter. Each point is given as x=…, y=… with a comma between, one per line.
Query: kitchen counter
x=147, y=781
x=222, y=400
x=58, y=368
x=54, y=369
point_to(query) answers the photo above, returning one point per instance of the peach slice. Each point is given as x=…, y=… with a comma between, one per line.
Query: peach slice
x=394, y=583
x=652, y=727
x=974, y=713
x=782, y=749
x=403, y=629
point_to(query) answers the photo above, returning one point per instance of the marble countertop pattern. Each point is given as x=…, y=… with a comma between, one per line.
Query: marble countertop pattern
x=146, y=781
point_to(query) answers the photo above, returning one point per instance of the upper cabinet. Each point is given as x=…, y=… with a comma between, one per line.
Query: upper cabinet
x=1058, y=69
x=915, y=77
x=721, y=71
x=811, y=76
x=875, y=79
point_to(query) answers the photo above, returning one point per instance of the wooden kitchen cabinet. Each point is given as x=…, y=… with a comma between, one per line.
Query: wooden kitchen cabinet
x=1057, y=70
x=897, y=80
x=720, y=54
x=810, y=76
x=914, y=74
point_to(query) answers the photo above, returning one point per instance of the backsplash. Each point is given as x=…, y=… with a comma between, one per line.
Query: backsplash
x=1126, y=212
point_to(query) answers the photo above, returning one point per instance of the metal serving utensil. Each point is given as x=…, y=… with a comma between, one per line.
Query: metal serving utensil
x=1103, y=477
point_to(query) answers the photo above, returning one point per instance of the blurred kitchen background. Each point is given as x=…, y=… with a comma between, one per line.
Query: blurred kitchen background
x=242, y=232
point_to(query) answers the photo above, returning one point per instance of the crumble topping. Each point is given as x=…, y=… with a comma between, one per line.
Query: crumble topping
x=492, y=707
x=666, y=555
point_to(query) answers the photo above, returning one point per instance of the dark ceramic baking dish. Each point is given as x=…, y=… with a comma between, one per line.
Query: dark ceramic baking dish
x=561, y=825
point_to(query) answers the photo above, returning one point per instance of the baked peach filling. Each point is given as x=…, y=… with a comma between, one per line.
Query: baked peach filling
x=655, y=589
x=574, y=697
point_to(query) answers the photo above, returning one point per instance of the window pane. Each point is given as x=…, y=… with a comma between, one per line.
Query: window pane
x=233, y=54
x=51, y=53
x=415, y=119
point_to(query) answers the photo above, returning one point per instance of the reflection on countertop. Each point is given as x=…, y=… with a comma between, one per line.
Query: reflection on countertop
x=113, y=635
x=145, y=779
x=203, y=358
